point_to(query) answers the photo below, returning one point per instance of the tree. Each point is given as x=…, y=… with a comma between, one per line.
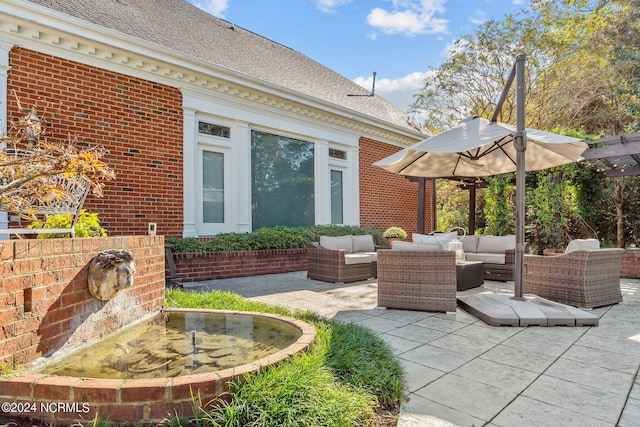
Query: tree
x=583, y=74
x=552, y=206
x=583, y=69
x=452, y=205
x=28, y=162
x=500, y=205
x=594, y=81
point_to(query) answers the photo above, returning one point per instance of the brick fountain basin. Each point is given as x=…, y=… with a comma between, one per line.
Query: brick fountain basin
x=67, y=399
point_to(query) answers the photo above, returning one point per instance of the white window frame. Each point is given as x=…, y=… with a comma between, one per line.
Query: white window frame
x=223, y=146
x=241, y=121
x=344, y=175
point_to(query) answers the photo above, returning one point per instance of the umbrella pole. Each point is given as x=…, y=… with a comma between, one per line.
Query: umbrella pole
x=520, y=142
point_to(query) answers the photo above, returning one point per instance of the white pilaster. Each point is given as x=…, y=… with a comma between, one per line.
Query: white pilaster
x=322, y=182
x=243, y=178
x=4, y=72
x=189, y=228
x=352, y=190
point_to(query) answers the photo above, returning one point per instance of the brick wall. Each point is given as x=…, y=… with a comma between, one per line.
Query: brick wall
x=45, y=303
x=141, y=124
x=631, y=264
x=388, y=199
x=221, y=265
x=138, y=121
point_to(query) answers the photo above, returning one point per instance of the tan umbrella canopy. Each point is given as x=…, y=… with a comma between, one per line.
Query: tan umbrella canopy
x=480, y=147
x=477, y=147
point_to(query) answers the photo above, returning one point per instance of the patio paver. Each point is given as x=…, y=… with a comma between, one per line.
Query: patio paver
x=463, y=372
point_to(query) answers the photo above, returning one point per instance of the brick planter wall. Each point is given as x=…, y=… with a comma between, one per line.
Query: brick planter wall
x=45, y=304
x=199, y=266
x=631, y=264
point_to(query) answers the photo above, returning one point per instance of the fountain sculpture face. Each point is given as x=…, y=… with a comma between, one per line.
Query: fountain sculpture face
x=110, y=271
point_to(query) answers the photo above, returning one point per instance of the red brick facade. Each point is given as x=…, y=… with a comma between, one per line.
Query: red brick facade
x=138, y=121
x=141, y=124
x=388, y=199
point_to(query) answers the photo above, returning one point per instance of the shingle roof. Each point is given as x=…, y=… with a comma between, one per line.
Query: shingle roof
x=180, y=26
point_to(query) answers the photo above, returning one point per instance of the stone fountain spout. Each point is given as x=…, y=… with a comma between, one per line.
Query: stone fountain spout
x=110, y=271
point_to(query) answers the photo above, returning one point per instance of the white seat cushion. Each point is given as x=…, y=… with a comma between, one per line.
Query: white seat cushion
x=489, y=258
x=363, y=243
x=357, y=259
x=496, y=244
x=372, y=255
x=470, y=243
x=582, y=245
x=341, y=242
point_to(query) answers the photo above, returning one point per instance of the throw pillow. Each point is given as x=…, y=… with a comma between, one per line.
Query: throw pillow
x=363, y=243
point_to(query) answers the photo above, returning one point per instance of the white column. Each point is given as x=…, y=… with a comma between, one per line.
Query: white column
x=352, y=188
x=243, y=178
x=189, y=142
x=4, y=70
x=322, y=182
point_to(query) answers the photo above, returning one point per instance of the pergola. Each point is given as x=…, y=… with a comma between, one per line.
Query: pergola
x=617, y=155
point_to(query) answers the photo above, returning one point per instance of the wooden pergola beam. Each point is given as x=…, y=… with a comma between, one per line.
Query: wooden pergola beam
x=617, y=150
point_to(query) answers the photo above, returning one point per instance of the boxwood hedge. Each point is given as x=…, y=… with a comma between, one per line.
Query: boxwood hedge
x=269, y=238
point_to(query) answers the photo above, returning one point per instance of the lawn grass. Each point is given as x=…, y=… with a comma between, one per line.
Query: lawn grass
x=344, y=380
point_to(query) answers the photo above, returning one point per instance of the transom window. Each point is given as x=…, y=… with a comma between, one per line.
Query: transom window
x=213, y=129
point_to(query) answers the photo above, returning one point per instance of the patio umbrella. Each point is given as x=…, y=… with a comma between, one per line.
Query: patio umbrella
x=480, y=147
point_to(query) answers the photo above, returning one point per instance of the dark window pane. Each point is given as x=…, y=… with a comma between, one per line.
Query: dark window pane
x=336, y=197
x=282, y=181
x=212, y=187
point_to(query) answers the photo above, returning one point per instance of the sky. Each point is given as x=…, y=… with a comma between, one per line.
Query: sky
x=401, y=40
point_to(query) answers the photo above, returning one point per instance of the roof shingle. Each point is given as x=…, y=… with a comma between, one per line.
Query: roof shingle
x=181, y=27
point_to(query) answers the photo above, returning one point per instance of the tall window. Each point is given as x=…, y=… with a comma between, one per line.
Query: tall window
x=212, y=187
x=336, y=197
x=282, y=181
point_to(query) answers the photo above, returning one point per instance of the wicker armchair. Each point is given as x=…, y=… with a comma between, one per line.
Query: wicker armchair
x=328, y=265
x=585, y=279
x=502, y=272
x=416, y=280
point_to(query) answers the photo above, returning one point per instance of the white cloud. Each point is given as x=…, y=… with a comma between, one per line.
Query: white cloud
x=330, y=6
x=398, y=92
x=214, y=7
x=478, y=17
x=410, y=17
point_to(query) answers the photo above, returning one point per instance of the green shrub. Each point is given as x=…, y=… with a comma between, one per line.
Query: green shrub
x=269, y=238
x=88, y=225
x=394, y=233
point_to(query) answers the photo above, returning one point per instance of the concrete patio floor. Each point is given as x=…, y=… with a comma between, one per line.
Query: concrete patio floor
x=463, y=372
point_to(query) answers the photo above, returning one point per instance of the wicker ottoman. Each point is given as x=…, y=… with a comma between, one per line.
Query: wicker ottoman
x=469, y=274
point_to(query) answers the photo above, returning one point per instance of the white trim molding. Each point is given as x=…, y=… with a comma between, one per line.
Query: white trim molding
x=5, y=48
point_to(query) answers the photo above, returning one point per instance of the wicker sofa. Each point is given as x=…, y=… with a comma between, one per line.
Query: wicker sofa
x=342, y=259
x=417, y=277
x=496, y=252
x=581, y=278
